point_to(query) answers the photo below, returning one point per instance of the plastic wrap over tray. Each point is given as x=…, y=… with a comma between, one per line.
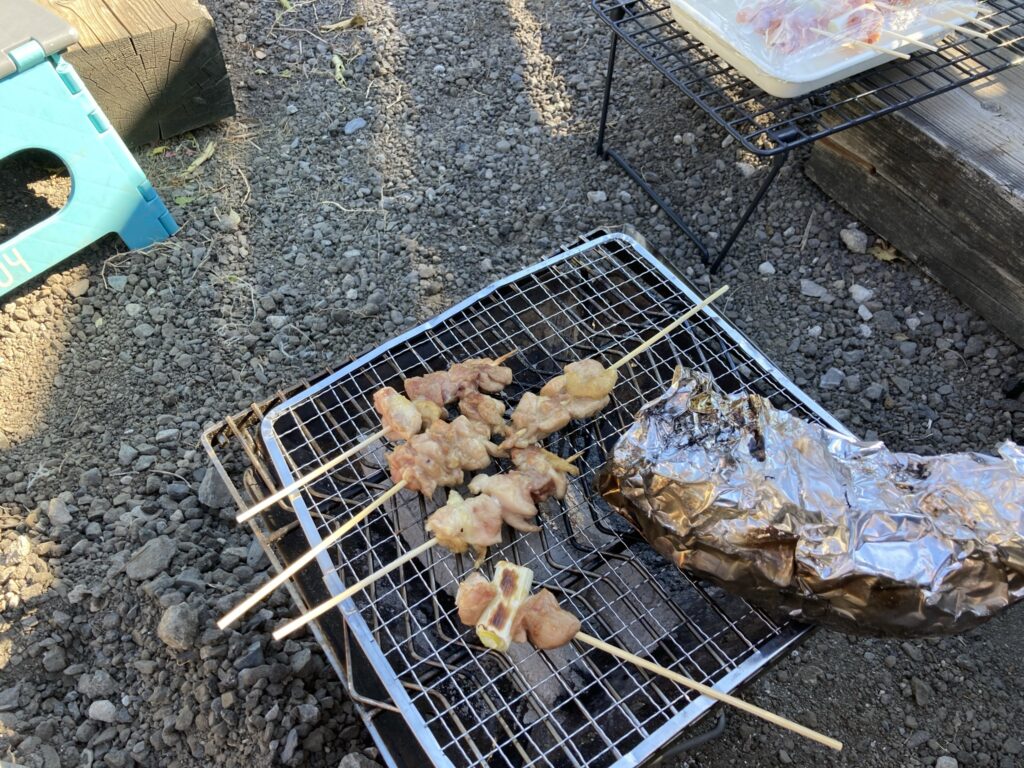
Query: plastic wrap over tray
x=797, y=518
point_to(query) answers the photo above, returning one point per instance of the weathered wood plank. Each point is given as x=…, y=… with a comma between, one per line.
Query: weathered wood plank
x=155, y=66
x=944, y=182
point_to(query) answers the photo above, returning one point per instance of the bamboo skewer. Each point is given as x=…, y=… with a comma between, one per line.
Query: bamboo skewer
x=230, y=617
x=911, y=40
x=725, y=698
x=861, y=43
x=667, y=329
x=300, y=483
x=325, y=606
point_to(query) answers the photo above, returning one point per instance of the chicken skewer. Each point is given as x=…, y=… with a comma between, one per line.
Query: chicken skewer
x=862, y=43
x=503, y=611
x=442, y=527
x=475, y=523
x=460, y=438
x=939, y=22
x=403, y=417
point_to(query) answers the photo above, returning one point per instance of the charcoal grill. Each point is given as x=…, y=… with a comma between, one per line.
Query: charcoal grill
x=769, y=126
x=459, y=703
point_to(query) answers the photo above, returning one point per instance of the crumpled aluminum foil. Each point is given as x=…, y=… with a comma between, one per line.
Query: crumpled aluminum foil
x=826, y=529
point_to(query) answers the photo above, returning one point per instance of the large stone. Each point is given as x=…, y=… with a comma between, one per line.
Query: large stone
x=152, y=558
x=178, y=627
x=213, y=492
x=356, y=760
x=58, y=512
x=103, y=710
x=96, y=685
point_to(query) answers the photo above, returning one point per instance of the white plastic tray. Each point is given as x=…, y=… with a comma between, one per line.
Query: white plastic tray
x=713, y=22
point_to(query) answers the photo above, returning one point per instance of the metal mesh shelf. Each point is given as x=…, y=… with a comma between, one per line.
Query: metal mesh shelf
x=767, y=125
x=573, y=706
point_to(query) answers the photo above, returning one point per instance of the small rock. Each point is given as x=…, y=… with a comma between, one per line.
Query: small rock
x=784, y=757
x=923, y=693
x=9, y=698
x=277, y=322
x=290, y=744
x=133, y=309
x=126, y=454
x=860, y=294
x=117, y=282
x=165, y=436
x=864, y=313
x=503, y=145
x=974, y=347
x=855, y=240
x=55, y=660
x=903, y=384
x=153, y=557
x=213, y=492
x=357, y=760
x=103, y=710
x=79, y=288
x=766, y=268
x=946, y=762
x=96, y=685
x=144, y=330
x=913, y=323
x=1013, y=746
x=356, y=124
x=291, y=109
x=873, y=392
x=746, y=169
x=58, y=512
x=597, y=196
x=178, y=627
x=812, y=289
x=91, y=478
x=832, y=379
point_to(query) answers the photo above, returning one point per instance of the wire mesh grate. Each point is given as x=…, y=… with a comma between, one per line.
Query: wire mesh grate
x=573, y=706
x=766, y=124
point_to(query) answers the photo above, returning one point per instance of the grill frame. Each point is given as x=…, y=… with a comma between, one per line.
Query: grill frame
x=780, y=642
x=648, y=27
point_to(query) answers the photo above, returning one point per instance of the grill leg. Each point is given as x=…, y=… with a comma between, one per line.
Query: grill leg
x=607, y=95
x=777, y=162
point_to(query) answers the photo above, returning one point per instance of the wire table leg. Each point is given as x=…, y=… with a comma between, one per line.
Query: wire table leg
x=777, y=162
x=606, y=152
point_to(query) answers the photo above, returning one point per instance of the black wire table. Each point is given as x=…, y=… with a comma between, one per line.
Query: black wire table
x=773, y=127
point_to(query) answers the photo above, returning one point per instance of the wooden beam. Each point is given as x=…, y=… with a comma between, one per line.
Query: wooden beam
x=154, y=66
x=944, y=183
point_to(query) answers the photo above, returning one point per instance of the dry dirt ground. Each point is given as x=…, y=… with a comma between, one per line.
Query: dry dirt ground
x=374, y=176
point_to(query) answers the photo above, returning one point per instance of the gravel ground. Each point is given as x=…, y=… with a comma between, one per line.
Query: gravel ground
x=373, y=177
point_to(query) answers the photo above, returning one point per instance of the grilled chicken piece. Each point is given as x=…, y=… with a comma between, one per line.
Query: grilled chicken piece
x=475, y=593
x=463, y=523
x=543, y=623
x=576, y=406
x=511, y=491
x=399, y=417
x=429, y=411
x=534, y=418
x=423, y=463
x=443, y=387
x=481, y=408
x=546, y=471
x=589, y=379
x=465, y=441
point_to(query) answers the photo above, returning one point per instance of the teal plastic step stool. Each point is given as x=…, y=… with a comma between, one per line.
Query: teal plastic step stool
x=44, y=105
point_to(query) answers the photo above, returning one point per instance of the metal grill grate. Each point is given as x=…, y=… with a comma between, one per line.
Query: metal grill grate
x=767, y=125
x=572, y=706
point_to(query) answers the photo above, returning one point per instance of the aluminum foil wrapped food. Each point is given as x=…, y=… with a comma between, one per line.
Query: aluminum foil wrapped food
x=824, y=528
